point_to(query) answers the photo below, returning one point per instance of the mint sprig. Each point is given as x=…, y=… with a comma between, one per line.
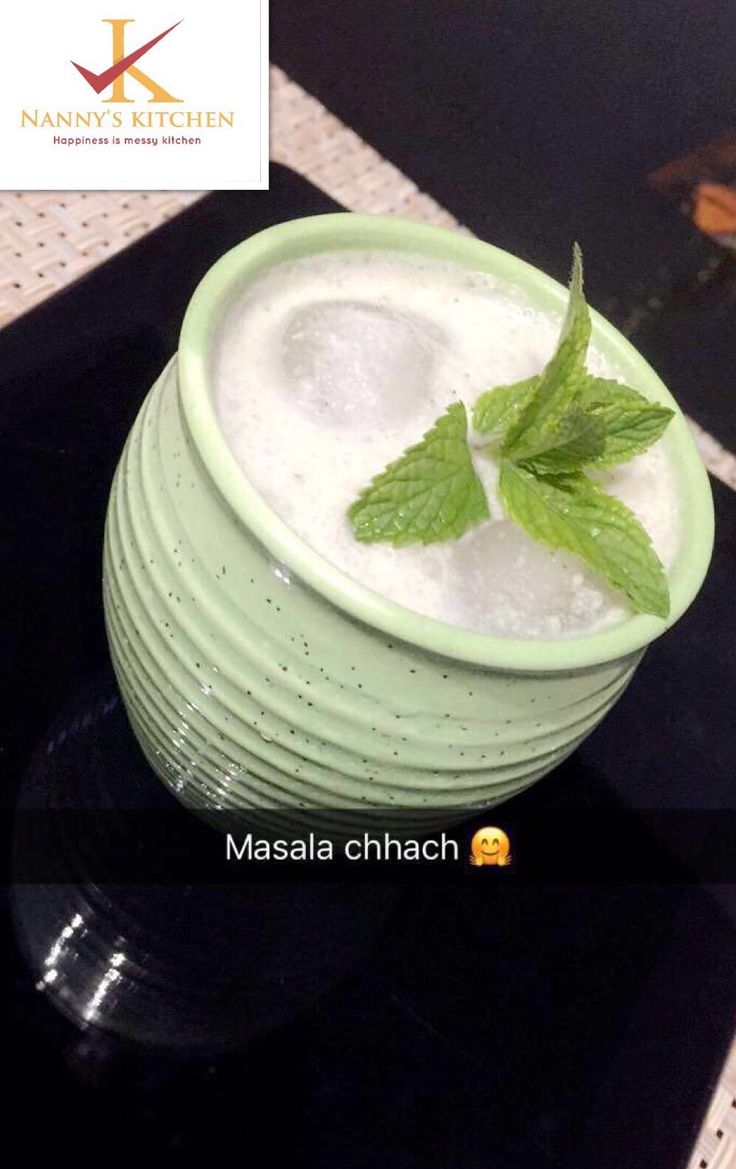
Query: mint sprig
x=543, y=432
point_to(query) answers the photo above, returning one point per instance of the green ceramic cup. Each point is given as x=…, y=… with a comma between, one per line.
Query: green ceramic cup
x=257, y=675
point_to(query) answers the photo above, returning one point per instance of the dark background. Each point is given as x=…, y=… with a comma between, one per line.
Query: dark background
x=536, y=124
x=445, y=1024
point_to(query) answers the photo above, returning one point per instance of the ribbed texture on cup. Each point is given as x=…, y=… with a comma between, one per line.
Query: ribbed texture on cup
x=246, y=689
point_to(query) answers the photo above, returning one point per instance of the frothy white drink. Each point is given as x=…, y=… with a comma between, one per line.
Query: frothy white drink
x=328, y=367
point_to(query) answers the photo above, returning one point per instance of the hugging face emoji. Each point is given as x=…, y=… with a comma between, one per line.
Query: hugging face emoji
x=490, y=846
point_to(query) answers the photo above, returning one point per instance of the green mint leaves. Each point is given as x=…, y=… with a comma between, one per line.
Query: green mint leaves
x=431, y=493
x=570, y=511
x=543, y=432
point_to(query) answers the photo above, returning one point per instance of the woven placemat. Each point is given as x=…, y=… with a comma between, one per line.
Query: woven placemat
x=715, y=1147
x=48, y=239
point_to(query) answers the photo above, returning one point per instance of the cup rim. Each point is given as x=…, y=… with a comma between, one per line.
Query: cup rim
x=350, y=230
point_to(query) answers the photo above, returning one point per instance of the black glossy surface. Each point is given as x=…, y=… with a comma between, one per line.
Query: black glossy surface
x=470, y=1024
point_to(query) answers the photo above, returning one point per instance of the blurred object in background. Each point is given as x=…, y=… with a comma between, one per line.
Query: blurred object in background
x=704, y=185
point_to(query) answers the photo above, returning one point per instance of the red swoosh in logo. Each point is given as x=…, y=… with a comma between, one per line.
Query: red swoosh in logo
x=100, y=81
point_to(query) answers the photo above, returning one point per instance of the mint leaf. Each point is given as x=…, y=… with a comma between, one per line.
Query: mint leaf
x=561, y=380
x=632, y=423
x=602, y=392
x=571, y=512
x=431, y=493
x=581, y=439
x=496, y=410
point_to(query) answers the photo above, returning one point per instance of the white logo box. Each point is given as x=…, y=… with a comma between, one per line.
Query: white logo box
x=88, y=102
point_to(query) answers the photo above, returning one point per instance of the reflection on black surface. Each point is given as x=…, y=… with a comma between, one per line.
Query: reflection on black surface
x=189, y=967
x=508, y=1012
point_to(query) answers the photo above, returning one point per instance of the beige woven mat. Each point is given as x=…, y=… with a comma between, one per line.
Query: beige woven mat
x=48, y=239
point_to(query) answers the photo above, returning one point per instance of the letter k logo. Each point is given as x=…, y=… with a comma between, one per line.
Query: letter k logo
x=122, y=64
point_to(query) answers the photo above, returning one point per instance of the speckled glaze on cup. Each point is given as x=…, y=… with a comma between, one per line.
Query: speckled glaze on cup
x=257, y=675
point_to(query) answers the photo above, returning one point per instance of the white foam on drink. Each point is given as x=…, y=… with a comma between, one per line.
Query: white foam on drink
x=326, y=368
